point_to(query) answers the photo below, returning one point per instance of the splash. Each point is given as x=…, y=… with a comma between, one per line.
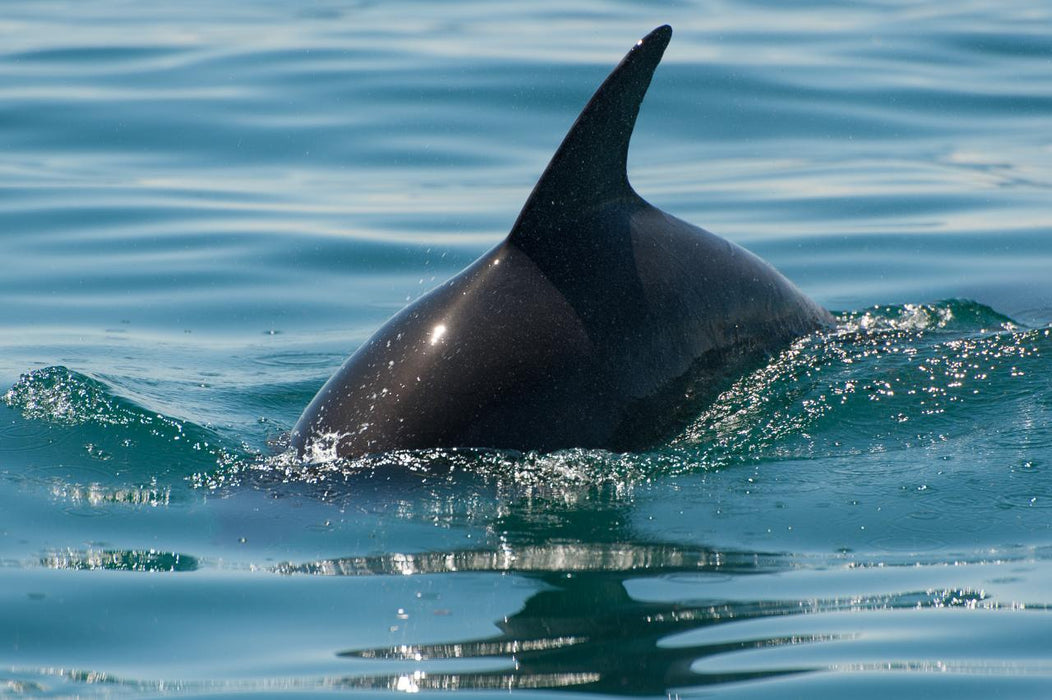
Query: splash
x=59, y=395
x=880, y=380
x=889, y=377
x=886, y=378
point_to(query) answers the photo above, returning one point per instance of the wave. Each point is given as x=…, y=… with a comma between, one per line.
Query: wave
x=886, y=378
x=117, y=435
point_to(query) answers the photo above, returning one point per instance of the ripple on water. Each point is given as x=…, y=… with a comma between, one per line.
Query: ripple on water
x=21, y=435
x=1040, y=499
x=298, y=359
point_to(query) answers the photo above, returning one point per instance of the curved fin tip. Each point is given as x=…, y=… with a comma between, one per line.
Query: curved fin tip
x=590, y=164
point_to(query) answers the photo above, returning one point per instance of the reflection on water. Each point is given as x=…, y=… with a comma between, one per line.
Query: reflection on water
x=119, y=560
x=97, y=495
x=566, y=558
x=584, y=630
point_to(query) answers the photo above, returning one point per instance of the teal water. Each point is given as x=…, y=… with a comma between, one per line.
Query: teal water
x=204, y=207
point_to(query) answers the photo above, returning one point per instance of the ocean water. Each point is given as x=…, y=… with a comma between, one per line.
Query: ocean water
x=205, y=207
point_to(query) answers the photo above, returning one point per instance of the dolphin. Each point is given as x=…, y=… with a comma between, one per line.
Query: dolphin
x=599, y=322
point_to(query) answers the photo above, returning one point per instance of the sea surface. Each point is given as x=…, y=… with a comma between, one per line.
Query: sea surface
x=206, y=206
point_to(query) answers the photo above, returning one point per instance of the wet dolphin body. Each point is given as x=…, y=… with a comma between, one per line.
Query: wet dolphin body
x=599, y=322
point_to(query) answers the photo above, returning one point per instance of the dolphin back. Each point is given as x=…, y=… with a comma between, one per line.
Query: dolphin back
x=599, y=322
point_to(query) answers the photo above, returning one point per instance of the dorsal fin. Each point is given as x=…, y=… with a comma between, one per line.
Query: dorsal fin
x=590, y=166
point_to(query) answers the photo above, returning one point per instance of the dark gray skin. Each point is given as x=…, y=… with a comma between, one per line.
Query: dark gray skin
x=599, y=322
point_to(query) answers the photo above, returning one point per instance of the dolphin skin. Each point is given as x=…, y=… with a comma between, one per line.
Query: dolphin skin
x=599, y=322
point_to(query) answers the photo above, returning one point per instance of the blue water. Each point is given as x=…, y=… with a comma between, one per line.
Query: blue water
x=204, y=207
